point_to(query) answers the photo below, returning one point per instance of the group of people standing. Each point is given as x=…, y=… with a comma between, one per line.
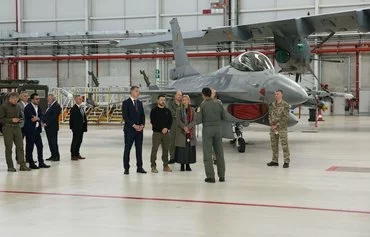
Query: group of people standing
x=174, y=130
x=21, y=117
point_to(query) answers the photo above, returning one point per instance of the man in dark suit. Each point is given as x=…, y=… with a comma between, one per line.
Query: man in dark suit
x=32, y=131
x=51, y=120
x=78, y=125
x=134, y=117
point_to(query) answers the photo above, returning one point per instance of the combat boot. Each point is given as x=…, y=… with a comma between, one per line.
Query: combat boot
x=24, y=168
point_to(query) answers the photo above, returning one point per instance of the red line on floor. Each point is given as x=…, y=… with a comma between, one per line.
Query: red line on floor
x=333, y=168
x=189, y=201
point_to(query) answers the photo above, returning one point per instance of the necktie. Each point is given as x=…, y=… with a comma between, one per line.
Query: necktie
x=135, y=103
x=82, y=113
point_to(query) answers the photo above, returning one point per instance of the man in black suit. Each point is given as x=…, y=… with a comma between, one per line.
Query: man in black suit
x=32, y=131
x=134, y=117
x=51, y=120
x=78, y=125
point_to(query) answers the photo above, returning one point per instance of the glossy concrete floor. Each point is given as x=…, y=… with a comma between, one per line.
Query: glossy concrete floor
x=92, y=197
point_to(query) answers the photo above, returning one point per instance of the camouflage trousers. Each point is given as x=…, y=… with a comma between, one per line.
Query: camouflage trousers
x=283, y=136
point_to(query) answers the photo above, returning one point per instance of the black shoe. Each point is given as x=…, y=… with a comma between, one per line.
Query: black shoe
x=45, y=166
x=215, y=162
x=210, y=180
x=126, y=172
x=50, y=158
x=272, y=164
x=34, y=167
x=171, y=161
x=141, y=171
x=55, y=159
x=188, y=167
x=182, y=167
x=222, y=179
x=286, y=165
x=35, y=161
x=12, y=170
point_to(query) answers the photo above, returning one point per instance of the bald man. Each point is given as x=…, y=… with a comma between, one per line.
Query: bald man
x=173, y=106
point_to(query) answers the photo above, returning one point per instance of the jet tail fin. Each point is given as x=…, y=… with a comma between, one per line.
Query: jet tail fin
x=183, y=67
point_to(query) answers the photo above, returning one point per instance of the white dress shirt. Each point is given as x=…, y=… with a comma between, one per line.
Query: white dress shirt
x=37, y=114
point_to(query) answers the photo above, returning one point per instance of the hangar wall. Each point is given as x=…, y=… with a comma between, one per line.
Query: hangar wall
x=96, y=15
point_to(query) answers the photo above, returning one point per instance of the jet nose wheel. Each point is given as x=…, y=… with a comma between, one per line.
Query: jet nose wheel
x=242, y=144
x=239, y=141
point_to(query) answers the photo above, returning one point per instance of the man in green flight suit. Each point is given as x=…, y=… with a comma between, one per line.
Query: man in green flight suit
x=210, y=114
x=278, y=118
x=11, y=117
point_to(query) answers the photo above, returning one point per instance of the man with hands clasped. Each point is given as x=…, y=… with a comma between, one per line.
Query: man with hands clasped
x=161, y=120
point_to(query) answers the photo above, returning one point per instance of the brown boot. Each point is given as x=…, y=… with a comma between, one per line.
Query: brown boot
x=166, y=168
x=81, y=158
x=24, y=168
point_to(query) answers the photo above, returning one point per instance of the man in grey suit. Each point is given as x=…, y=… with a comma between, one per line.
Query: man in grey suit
x=22, y=103
x=24, y=98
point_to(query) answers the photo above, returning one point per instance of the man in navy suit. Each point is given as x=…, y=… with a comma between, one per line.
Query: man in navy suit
x=51, y=120
x=134, y=117
x=32, y=131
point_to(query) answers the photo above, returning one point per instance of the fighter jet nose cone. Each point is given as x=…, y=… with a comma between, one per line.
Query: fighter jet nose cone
x=293, y=93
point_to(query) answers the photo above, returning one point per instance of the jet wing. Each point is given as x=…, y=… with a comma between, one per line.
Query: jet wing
x=343, y=21
x=355, y=20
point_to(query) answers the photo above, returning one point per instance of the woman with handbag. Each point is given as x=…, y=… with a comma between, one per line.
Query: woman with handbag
x=185, y=152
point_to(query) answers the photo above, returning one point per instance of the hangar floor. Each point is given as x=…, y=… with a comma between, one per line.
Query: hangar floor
x=318, y=195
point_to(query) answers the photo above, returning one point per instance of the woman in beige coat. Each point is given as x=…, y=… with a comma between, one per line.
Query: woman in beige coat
x=185, y=142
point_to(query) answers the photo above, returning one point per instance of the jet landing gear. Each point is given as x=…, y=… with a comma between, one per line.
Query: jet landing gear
x=239, y=140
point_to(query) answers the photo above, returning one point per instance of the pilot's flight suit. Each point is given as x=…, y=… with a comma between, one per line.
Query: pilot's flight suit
x=279, y=115
x=210, y=114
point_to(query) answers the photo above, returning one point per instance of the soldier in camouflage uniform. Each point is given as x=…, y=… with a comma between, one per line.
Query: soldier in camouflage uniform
x=278, y=118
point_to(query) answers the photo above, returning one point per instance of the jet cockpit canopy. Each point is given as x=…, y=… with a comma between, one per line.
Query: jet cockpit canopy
x=252, y=61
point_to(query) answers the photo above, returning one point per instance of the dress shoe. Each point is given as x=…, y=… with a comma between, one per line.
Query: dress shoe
x=154, y=170
x=81, y=158
x=222, y=179
x=44, y=166
x=141, y=171
x=286, y=165
x=24, y=168
x=126, y=172
x=210, y=180
x=74, y=158
x=171, y=161
x=50, y=158
x=188, y=167
x=34, y=167
x=35, y=161
x=12, y=170
x=272, y=164
x=166, y=168
x=55, y=159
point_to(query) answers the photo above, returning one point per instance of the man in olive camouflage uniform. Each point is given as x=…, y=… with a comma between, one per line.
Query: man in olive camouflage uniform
x=278, y=118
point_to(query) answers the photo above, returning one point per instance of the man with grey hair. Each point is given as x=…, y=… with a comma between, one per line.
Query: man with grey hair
x=23, y=102
x=78, y=125
x=173, y=106
x=51, y=120
x=24, y=97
